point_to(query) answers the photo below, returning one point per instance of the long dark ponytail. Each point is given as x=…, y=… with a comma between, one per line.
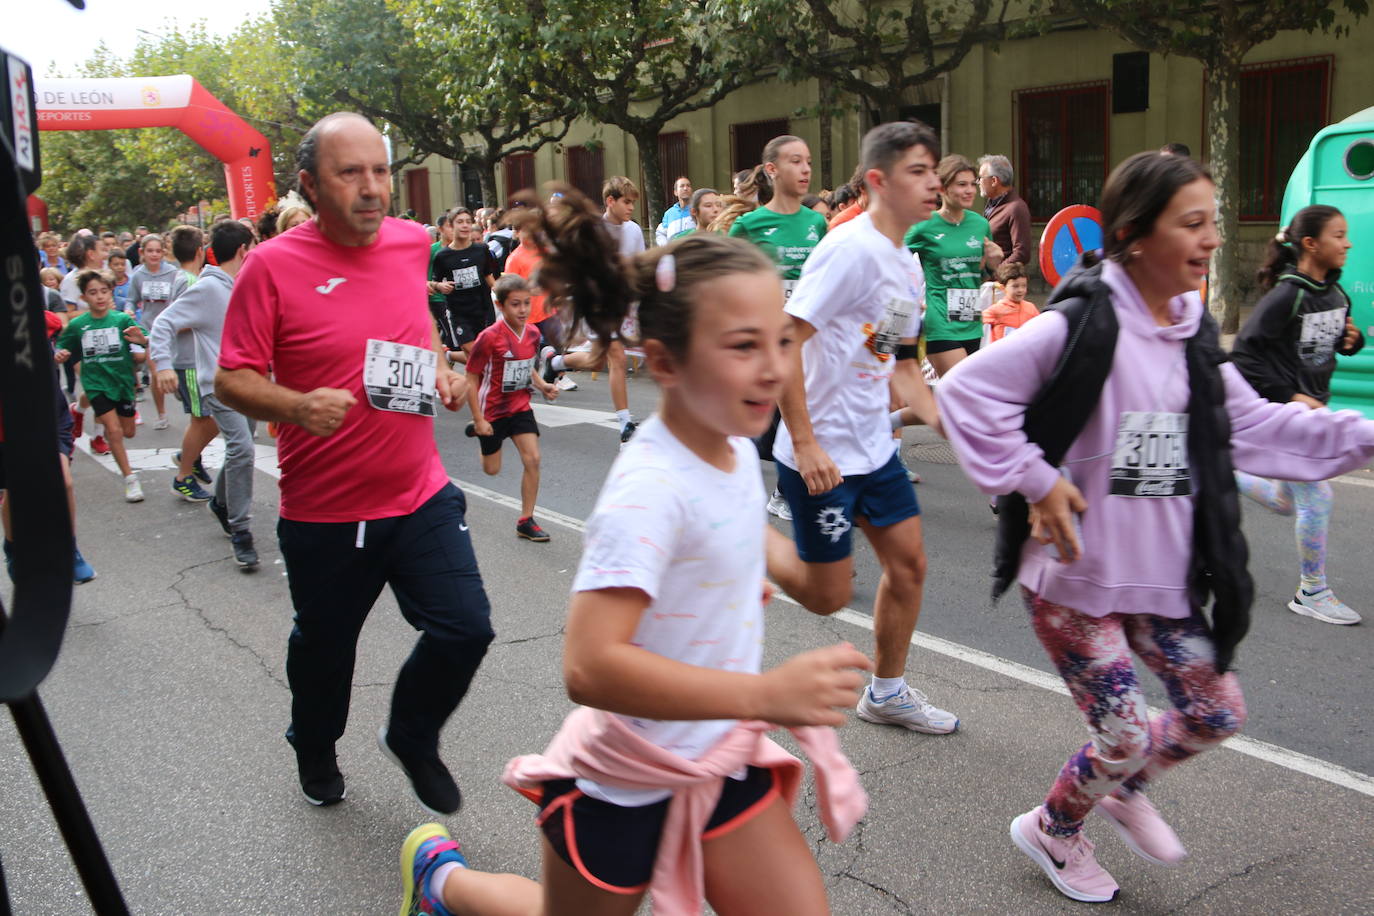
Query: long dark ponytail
x=1286, y=247
x=585, y=275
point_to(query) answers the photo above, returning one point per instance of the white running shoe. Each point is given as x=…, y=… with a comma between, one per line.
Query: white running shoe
x=133, y=490
x=908, y=708
x=161, y=422
x=565, y=383
x=779, y=507
x=1323, y=606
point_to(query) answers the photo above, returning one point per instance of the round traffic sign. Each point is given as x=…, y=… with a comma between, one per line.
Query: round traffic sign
x=1068, y=234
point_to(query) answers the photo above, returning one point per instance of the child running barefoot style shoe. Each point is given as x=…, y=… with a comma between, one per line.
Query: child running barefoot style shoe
x=1114, y=455
x=102, y=336
x=665, y=779
x=500, y=369
x=1287, y=351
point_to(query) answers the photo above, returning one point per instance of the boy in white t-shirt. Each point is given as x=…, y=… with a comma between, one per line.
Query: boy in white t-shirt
x=857, y=314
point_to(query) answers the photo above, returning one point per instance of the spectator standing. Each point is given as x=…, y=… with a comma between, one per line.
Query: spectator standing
x=677, y=219
x=1007, y=214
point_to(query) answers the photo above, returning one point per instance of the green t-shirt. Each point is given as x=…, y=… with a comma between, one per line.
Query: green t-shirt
x=435, y=298
x=107, y=366
x=788, y=239
x=951, y=259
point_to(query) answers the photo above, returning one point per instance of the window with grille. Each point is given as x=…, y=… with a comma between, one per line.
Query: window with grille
x=586, y=170
x=748, y=140
x=1062, y=137
x=672, y=161
x=519, y=172
x=1282, y=105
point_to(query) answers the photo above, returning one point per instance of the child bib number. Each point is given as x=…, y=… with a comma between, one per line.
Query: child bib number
x=515, y=375
x=896, y=319
x=963, y=304
x=465, y=277
x=399, y=377
x=787, y=287
x=99, y=342
x=1151, y=456
x=156, y=290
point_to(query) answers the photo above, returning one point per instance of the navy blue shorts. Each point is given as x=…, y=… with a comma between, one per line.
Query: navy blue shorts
x=823, y=525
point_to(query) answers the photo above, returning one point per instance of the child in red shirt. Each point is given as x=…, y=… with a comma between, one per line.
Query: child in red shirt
x=500, y=371
x=1008, y=314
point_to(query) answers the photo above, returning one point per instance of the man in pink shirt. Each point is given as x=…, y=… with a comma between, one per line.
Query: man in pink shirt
x=336, y=313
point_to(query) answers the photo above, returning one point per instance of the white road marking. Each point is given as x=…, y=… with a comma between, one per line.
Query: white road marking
x=266, y=461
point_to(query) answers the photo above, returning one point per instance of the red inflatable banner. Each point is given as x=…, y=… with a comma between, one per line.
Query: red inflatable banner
x=167, y=101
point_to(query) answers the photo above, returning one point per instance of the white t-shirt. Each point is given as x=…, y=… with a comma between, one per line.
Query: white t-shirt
x=862, y=294
x=691, y=537
x=631, y=237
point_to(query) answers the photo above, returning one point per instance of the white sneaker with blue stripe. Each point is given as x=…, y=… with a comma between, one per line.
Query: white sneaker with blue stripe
x=908, y=708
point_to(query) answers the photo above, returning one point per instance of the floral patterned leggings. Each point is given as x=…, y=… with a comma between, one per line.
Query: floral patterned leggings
x=1128, y=749
x=1311, y=503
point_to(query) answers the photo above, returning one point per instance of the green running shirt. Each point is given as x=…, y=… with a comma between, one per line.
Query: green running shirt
x=951, y=257
x=788, y=239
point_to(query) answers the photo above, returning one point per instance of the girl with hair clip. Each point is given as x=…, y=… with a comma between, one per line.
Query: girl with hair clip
x=1111, y=425
x=664, y=779
x=1287, y=351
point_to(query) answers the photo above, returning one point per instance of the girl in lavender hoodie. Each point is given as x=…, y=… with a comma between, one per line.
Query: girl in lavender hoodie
x=1110, y=560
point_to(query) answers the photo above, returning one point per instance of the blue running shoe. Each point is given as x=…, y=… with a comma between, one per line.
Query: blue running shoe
x=189, y=489
x=81, y=570
x=427, y=847
x=197, y=470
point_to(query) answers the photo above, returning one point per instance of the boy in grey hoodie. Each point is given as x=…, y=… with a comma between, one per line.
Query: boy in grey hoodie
x=201, y=311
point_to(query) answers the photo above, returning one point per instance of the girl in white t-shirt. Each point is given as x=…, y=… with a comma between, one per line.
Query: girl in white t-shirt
x=664, y=776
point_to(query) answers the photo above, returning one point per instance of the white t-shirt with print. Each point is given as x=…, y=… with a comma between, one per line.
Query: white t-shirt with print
x=630, y=236
x=862, y=293
x=690, y=536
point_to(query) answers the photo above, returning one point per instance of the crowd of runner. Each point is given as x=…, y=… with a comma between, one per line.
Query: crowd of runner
x=1112, y=435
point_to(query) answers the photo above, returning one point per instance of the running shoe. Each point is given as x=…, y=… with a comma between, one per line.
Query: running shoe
x=529, y=529
x=546, y=356
x=1142, y=829
x=78, y=421
x=244, y=554
x=138, y=418
x=908, y=708
x=430, y=780
x=1069, y=863
x=1323, y=606
x=162, y=422
x=778, y=506
x=100, y=446
x=627, y=431
x=221, y=514
x=133, y=490
x=141, y=394
x=197, y=469
x=321, y=782
x=82, y=571
x=565, y=383
x=189, y=489
x=427, y=847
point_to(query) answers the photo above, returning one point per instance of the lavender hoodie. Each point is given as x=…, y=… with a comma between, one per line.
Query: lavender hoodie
x=1136, y=551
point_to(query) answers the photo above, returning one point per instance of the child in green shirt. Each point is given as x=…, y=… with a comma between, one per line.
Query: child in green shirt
x=100, y=339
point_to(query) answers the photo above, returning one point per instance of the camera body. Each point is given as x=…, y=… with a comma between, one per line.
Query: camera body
x=18, y=119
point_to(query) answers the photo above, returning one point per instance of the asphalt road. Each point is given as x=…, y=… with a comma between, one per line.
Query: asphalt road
x=170, y=700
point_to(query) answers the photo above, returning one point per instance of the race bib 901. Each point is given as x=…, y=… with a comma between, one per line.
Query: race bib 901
x=96, y=342
x=399, y=377
x=1151, y=455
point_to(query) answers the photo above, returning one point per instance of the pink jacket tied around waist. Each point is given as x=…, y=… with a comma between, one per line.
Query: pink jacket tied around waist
x=595, y=745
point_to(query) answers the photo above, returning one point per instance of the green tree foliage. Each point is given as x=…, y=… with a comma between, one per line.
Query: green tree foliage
x=1219, y=33
x=876, y=51
x=632, y=64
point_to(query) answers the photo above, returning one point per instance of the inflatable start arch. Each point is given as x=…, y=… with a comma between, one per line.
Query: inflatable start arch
x=167, y=101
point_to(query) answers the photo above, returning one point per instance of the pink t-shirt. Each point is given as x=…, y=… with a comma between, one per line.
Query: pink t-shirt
x=306, y=307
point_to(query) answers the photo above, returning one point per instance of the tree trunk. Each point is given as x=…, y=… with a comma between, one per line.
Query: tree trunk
x=647, y=141
x=486, y=177
x=826, y=95
x=1223, y=128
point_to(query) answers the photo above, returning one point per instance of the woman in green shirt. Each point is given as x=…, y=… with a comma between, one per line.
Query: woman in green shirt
x=785, y=230
x=954, y=247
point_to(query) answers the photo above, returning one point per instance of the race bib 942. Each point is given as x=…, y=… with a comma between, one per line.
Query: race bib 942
x=399, y=377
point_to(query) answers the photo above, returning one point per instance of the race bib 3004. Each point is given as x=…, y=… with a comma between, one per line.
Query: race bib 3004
x=1151, y=455
x=399, y=377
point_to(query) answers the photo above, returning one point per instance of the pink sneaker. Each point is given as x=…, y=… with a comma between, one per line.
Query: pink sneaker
x=1068, y=863
x=1143, y=829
